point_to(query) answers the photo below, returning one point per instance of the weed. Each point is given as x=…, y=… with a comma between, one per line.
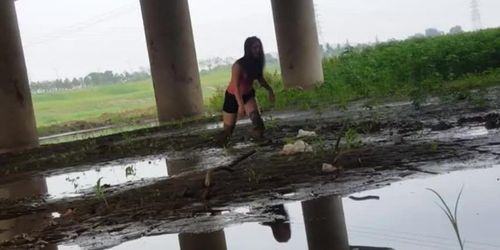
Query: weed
x=100, y=192
x=352, y=138
x=434, y=147
x=272, y=122
x=130, y=171
x=252, y=175
x=452, y=217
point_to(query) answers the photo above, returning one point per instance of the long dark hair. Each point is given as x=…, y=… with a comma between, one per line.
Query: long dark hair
x=253, y=67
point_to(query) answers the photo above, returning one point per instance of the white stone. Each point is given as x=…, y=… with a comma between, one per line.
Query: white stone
x=297, y=147
x=328, y=168
x=305, y=133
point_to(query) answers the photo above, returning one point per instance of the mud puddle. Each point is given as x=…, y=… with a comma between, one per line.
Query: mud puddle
x=406, y=216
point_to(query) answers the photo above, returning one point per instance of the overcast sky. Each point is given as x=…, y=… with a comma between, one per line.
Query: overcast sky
x=68, y=38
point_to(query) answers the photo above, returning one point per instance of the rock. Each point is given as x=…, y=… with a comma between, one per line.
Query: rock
x=328, y=168
x=397, y=139
x=492, y=121
x=305, y=133
x=440, y=126
x=297, y=147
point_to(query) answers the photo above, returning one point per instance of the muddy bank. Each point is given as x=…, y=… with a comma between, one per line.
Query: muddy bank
x=396, y=142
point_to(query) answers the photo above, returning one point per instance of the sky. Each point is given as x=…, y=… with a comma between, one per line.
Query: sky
x=70, y=38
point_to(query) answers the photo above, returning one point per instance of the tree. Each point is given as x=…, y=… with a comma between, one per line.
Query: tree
x=456, y=30
x=432, y=32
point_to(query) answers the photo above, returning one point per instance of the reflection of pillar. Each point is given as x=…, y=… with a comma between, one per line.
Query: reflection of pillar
x=25, y=224
x=17, y=118
x=298, y=45
x=172, y=56
x=177, y=166
x=213, y=241
x=188, y=241
x=325, y=224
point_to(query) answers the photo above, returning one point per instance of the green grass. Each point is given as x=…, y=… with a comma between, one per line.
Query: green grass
x=91, y=103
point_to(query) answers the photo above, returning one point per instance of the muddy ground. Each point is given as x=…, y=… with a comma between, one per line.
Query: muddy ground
x=397, y=142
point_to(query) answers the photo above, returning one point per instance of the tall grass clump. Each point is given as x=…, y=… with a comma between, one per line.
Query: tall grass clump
x=452, y=217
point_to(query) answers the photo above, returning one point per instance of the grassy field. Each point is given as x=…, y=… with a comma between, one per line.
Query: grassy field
x=91, y=103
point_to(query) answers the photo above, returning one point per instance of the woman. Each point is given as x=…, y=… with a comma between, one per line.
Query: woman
x=239, y=98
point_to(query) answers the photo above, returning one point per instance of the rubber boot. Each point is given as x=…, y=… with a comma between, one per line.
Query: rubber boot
x=257, y=132
x=222, y=139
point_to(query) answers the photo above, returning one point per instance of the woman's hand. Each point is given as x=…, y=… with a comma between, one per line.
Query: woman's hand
x=241, y=110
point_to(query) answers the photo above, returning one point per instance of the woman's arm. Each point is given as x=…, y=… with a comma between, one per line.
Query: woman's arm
x=265, y=85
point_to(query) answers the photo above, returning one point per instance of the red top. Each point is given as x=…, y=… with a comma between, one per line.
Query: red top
x=245, y=85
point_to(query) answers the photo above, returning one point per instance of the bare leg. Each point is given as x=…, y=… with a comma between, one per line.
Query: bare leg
x=258, y=124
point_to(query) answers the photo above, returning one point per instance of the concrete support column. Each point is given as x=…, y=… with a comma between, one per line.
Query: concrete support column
x=17, y=118
x=298, y=45
x=172, y=56
x=325, y=224
x=214, y=241
x=29, y=224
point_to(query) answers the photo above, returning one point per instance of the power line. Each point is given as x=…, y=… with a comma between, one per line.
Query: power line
x=77, y=27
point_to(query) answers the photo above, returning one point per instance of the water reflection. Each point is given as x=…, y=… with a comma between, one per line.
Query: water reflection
x=325, y=223
x=73, y=184
x=195, y=241
x=201, y=241
x=23, y=228
x=280, y=226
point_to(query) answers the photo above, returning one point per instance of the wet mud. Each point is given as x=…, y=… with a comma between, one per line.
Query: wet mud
x=391, y=143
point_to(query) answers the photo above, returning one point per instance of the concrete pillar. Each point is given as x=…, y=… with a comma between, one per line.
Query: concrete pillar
x=325, y=224
x=213, y=241
x=17, y=118
x=298, y=45
x=26, y=224
x=172, y=56
x=199, y=241
x=180, y=165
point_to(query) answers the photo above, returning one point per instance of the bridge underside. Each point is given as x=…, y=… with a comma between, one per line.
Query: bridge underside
x=173, y=62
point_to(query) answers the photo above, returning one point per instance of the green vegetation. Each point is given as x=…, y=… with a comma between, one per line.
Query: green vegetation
x=99, y=190
x=448, y=66
x=452, y=217
x=91, y=103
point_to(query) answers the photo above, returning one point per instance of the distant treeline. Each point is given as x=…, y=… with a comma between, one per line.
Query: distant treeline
x=336, y=50
x=92, y=79
x=219, y=63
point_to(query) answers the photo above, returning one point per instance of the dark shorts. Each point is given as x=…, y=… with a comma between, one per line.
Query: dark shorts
x=230, y=103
